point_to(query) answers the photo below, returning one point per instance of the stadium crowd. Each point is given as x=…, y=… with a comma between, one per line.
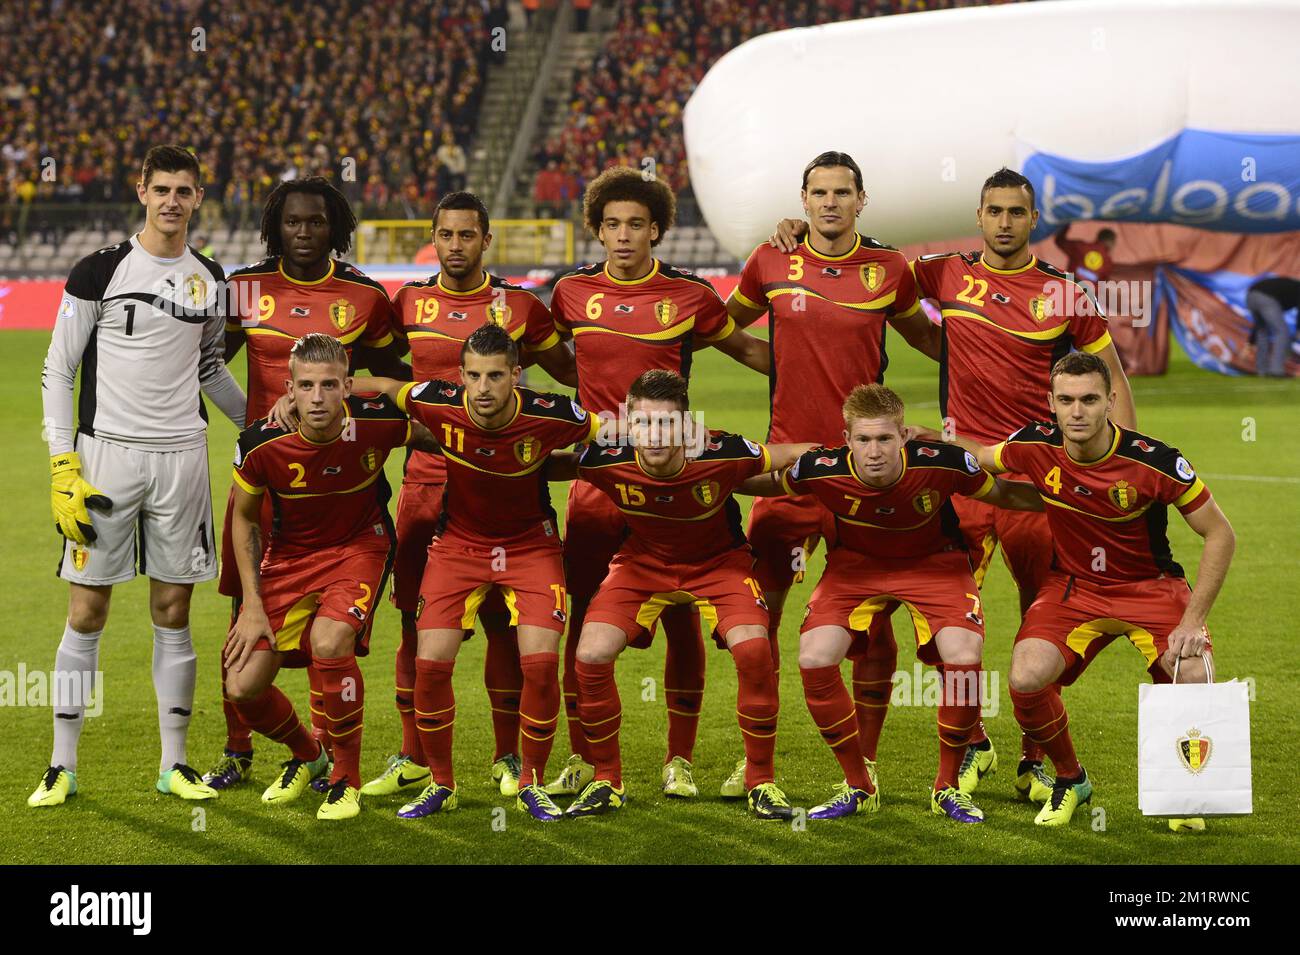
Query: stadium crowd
x=261, y=90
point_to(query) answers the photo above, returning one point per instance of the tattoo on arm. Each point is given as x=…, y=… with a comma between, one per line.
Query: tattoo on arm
x=255, y=553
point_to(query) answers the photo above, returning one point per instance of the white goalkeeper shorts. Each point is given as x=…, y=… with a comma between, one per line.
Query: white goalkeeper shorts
x=161, y=521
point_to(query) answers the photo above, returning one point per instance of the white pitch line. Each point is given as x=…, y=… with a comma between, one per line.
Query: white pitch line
x=1260, y=478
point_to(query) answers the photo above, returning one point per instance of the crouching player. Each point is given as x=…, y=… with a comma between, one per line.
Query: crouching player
x=312, y=597
x=685, y=547
x=896, y=539
x=1113, y=575
x=497, y=529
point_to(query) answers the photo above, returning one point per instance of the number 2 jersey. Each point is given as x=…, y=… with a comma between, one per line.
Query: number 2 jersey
x=1108, y=517
x=496, y=492
x=912, y=517
x=1003, y=330
x=685, y=518
x=325, y=495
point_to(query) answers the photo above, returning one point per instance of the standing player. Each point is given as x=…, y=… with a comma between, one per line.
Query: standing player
x=628, y=314
x=497, y=529
x=437, y=316
x=829, y=302
x=1089, y=261
x=1108, y=489
x=314, y=593
x=1007, y=317
x=297, y=290
x=685, y=548
x=895, y=539
x=148, y=303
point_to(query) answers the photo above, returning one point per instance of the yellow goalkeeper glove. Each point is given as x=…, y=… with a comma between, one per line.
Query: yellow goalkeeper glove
x=70, y=495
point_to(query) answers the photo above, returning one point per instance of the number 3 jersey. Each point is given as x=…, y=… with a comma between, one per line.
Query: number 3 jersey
x=912, y=517
x=496, y=491
x=325, y=495
x=1108, y=517
x=689, y=516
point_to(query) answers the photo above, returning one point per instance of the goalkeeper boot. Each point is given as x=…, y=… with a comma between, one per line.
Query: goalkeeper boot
x=231, y=769
x=956, y=805
x=505, y=773
x=733, y=787
x=55, y=787
x=534, y=801
x=847, y=801
x=980, y=760
x=600, y=797
x=767, y=801
x=435, y=798
x=679, y=782
x=342, y=802
x=400, y=773
x=295, y=776
x=1032, y=782
x=182, y=781
x=1067, y=795
x=573, y=779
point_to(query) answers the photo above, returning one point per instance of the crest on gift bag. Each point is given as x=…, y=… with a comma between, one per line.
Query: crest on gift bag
x=1194, y=750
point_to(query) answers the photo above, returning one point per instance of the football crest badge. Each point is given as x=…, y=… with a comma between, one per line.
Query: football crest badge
x=342, y=313
x=527, y=450
x=666, y=311
x=1194, y=750
x=706, y=493
x=1123, y=495
x=873, y=275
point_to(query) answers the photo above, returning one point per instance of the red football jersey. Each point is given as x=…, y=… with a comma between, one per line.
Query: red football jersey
x=436, y=321
x=621, y=329
x=1108, y=518
x=496, y=492
x=1089, y=261
x=1002, y=332
x=689, y=517
x=827, y=319
x=325, y=495
x=912, y=517
x=275, y=311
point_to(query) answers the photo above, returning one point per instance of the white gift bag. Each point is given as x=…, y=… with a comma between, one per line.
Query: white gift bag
x=1194, y=749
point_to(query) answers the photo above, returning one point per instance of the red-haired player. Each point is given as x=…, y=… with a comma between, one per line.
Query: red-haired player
x=685, y=547
x=829, y=303
x=1108, y=490
x=436, y=316
x=313, y=595
x=895, y=539
x=497, y=530
x=629, y=314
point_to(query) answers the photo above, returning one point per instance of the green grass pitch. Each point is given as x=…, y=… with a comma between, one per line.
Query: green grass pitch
x=118, y=817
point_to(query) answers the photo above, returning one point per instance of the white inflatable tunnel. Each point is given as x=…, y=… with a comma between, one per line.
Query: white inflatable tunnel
x=1133, y=110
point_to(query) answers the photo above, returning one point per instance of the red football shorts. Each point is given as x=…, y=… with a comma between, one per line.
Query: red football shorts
x=418, y=508
x=783, y=531
x=228, y=585
x=594, y=530
x=1024, y=535
x=460, y=576
x=1081, y=617
x=344, y=584
x=938, y=591
x=640, y=587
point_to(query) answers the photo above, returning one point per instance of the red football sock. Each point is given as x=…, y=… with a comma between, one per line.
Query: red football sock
x=873, y=683
x=774, y=635
x=272, y=715
x=756, y=708
x=832, y=710
x=602, y=714
x=316, y=703
x=405, y=683
x=539, y=712
x=344, y=691
x=577, y=738
x=683, y=679
x=435, y=715
x=1042, y=717
x=958, y=719
x=504, y=681
x=1029, y=749
x=239, y=737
